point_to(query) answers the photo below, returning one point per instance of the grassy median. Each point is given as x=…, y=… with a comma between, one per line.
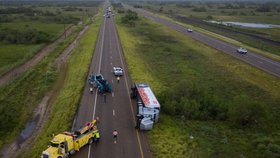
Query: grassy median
x=66, y=103
x=213, y=105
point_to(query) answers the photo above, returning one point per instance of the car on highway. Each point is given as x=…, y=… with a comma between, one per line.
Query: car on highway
x=118, y=71
x=242, y=50
x=189, y=30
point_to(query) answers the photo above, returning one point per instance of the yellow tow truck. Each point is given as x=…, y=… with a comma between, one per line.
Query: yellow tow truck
x=62, y=145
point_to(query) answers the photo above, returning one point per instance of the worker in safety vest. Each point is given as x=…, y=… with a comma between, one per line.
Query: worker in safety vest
x=118, y=79
x=115, y=136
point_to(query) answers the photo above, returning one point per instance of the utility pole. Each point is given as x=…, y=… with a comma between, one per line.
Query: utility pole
x=64, y=31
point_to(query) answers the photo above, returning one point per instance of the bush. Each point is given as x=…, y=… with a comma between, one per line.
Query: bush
x=243, y=14
x=263, y=8
x=17, y=10
x=28, y=36
x=192, y=102
x=246, y=112
x=267, y=146
x=184, y=5
x=209, y=17
x=129, y=18
x=200, y=9
x=137, y=6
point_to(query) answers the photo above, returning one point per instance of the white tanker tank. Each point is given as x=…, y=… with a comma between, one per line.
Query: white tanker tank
x=148, y=107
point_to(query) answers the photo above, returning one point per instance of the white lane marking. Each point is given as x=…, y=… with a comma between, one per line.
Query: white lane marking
x=94, y=106
x=127, y=90
x=74, y=122
x=260, y=62
x=113, y=94
x=112, y=81
x=113, y=112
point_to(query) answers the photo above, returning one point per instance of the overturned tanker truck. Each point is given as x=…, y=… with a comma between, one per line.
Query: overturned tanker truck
x=147, y=106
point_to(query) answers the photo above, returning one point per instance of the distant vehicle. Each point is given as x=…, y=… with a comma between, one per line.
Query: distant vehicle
x=242, y=50
x=190, y=30
x=118, y=71
x=108, y=16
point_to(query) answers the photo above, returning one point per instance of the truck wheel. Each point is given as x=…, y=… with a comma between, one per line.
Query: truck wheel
x=72, y=152
x=90, y=141
x=66, y=155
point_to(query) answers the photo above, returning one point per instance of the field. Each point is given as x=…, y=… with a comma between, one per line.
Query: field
x=212, y=105
x=21, y=96
x=11, y=55
x=27, y=28
x=196, y=14
x=60, y=118
x=14, y=100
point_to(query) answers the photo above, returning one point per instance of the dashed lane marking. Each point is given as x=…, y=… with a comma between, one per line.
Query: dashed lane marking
x=101, y=51
x=113, y=112
x=127, y=90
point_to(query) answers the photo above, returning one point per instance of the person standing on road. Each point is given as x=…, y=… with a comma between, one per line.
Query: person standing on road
x=97, y=119
x=91, y=89
x=118, y=79
x=115, y=136
x=104, y=96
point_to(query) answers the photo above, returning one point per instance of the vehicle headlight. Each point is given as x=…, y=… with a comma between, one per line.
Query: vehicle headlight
x=46, y=154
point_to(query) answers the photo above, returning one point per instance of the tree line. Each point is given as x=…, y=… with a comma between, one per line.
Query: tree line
x=27, y=36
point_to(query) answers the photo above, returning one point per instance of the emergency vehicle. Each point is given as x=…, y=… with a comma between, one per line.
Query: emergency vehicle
x=67, y=143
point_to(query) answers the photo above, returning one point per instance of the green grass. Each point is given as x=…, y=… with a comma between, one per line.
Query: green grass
x=20, y=97
x=54, y=30
x=174, y=66
x=67, y=101
x=12, y=55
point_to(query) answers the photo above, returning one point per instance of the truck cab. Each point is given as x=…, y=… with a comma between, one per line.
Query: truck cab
x=62, y=145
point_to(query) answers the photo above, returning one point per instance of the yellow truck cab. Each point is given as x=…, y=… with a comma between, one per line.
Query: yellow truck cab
x=62, y=145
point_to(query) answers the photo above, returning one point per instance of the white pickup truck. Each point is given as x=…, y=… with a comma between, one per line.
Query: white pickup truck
x=242, y=50
x=118, y=71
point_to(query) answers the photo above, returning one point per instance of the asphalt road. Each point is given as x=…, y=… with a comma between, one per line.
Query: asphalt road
x=256, y=60
x=117, y=112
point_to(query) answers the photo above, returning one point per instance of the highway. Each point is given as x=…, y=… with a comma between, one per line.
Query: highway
x=116, y=111
x=256, y=60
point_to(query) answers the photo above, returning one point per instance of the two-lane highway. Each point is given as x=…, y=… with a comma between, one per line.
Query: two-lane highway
x=261, y=62
x=115, y=110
